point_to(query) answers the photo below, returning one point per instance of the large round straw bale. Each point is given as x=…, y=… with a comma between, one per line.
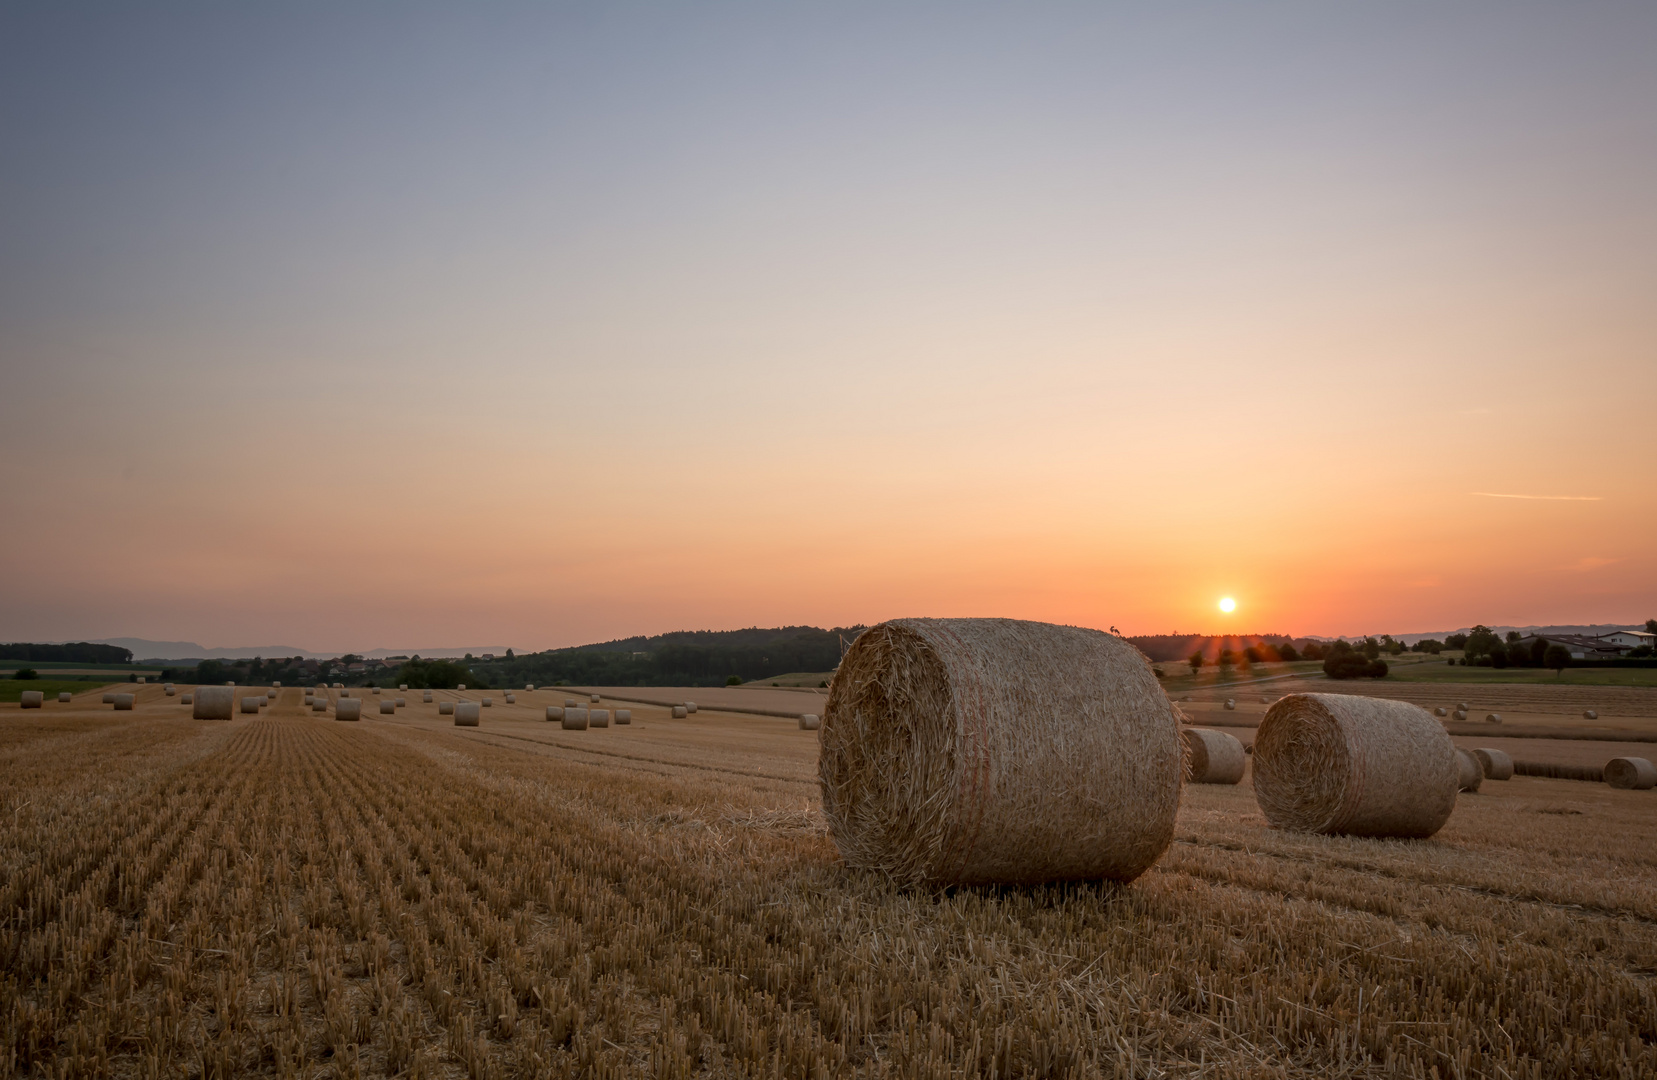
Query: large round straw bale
x=624, y=716
x=1635, y=773
x=593, y=698
x=995, y=750
x=810, y=722
x=445, y=708
x=1213, y=757
x=1590, y=714
x=348, y=709
x=1469, y=773
x=555, y=712
x=186, y=699
x=690, y=708
x=598, y=717
x=1230, y=703
x=400, y=703
x=109, y=698
x=32, y=699
x=64, y=697
x=466, y=714
x=320, y=704
x=1339, y=763
x=1495, y=764
x=575, y=719
x=511, y=699
x=387, y=707
x=213, y=702
x=678, y=712
x=251, y=705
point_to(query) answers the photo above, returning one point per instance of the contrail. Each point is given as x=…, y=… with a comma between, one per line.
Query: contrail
x=1550, y=498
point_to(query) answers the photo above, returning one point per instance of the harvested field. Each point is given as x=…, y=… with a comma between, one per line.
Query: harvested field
x=283, y=895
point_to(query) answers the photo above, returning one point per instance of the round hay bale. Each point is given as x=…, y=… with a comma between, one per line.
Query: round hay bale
x=376, y=690
x=399, y=703
x=1629, y=773
x=690, y=708
x=169, y=691
x=593, y=698
x=1460, y=714
x=1213, y=757
x=140, y=679
x=461, y=686
x=402, y=686
x=1339, y=763
x=1495, y=764
x=213, y=703
x=1492, y=718
x=387, y=707
x=1462, y=706
x=270, y=695
x=348, y=709
x=186, y=699
x=319, y=704
x=554, y=712
x=337, y=686
x=109, y=698
x=511, y=699
x=32, y=699
x=1441, y=711
x=1230, y=704
x=230, y=684
x=598, y=718
x=1590, y=714
x=977, y=751
x=425, y=697
x=624, y=716
x=445, y=708
x=570, y=703
x=64, y=697
x=277, y=683
x=575, y=719
x=1469, y=773
x=528, y=686
x=487, y=701
x=810, y=722
x=251, y=705
x=678, y=712
x=466, y=714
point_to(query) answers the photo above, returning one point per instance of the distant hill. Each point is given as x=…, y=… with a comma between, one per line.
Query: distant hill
x=146, y=649
x=1588, y=630
x=680, y=658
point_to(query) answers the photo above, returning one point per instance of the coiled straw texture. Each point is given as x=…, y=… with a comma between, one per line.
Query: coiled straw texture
x=961, y=751
x=1338, y=763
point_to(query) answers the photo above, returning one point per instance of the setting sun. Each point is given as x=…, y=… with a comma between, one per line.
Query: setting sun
x=1228, y=605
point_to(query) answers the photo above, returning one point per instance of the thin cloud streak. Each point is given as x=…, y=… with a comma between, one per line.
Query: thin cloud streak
x=1548, y=498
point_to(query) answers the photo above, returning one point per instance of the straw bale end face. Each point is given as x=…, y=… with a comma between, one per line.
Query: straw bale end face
x=348, y=709
x=213, y=702
x=980, y=751
x=32, y=699
x=466, y=714
x=1631, y=773
x=1339, y=763
x=1213, y=757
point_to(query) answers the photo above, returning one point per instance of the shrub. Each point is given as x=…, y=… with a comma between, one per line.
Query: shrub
x=734, y=680
x=24, y=674
x=1287, y=652
x=1353, y=665
x=1557, y=657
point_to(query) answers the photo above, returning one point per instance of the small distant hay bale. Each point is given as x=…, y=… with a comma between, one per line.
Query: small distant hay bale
x=186, y=699
x=1461, y=714
x=1441, y=711
x=690, y=708
x=1469, y=773
x=487, y=701
x=270, y=694
x=445, y=708
x=400, y=703
x=1493, y=718
x=169, y=690
x=998, y=751
x=575, y=719
x=462, y=686
x=402, y=686
x=1462, y=706
x=64, y=697
x=1590, y=714
x=251, y=705
x=1230, y=704
x=570, y=703
x=320, y=704
x=387, y=707
x=140, y=679
x=33, y=699
x=598, y=718
x=1631, y=773
x=339, y=686
x=466, y=714
x=109, y=698
x=624, y=716
x=678, y=712
x=1495, y=764
x=593, y=698
x=511, y=699
x=1339, y=763
x=528, y=686
x=810, y=722
x=425, y=697
x=348, y=709
x=554, y=712
x=1213, y=757
x=213, y=703
x=277, y=683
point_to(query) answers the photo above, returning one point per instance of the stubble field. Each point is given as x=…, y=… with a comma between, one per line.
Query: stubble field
x=288, y=895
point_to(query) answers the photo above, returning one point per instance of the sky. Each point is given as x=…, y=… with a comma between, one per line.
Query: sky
x=396, y=325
